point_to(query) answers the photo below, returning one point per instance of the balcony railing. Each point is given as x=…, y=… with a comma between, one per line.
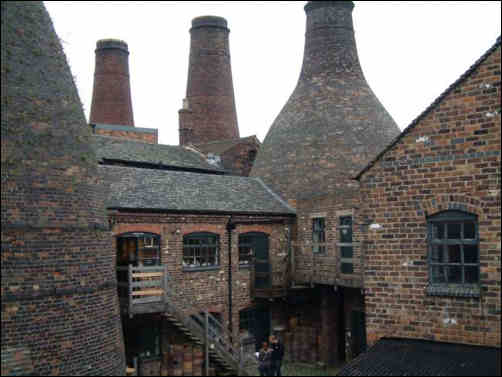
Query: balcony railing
x=142, y=288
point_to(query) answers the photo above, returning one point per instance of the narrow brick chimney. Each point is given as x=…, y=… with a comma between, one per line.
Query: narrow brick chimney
x=208, y=112
x=111, y=98
x=332, y=124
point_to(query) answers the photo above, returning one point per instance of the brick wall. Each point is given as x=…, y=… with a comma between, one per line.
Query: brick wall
x=151, y=138
x=240, y=158
x=450, y=159
x=207, y=290
x=325, y=268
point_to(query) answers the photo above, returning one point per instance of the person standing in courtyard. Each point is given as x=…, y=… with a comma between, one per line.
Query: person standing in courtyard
x=277, y=355
x=265, y=360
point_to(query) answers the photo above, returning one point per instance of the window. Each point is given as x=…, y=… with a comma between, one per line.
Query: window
x=318, y=235
x=200, y=250
x=245, y=250
x=345, y=244
x=453, y=250
x=138, y=248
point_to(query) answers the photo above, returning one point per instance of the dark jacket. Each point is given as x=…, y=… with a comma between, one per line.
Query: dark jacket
x=277, y=351
x=265, y=358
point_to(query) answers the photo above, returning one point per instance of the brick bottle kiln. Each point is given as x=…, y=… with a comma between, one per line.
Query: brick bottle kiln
x=60, y=312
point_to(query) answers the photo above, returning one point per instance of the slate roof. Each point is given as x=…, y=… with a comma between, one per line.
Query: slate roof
x=408, y=357
x=135, y=188
x=118, y=149
x=221, y=146
x=431, y=107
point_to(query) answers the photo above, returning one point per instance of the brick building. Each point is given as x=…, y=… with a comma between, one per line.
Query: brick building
x=410, y=249
x=197, y=227
x=433, y=201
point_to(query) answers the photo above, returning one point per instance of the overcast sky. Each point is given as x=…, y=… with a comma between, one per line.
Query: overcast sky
x=410, y=52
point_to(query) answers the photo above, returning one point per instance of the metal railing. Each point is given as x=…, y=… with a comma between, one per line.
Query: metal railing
x=149, y=289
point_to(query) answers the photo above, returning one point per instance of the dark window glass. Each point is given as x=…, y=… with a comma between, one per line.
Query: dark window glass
x=453, y=248
x=454, y=274
x=200, y=250
x=346, y=229
x=346, y=248
x=438, y=231
x=471, y=274
x=469, y=231
x=137, y=248
x=454, y=231
x=245, y=250
x=347, y=268
x=318, y=235
x=437, y=255
x=471, y=254
x=347, y=251
x=454, y=254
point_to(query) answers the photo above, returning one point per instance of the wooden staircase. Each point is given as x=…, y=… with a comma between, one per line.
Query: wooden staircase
x=150, y=290
x=207, y=331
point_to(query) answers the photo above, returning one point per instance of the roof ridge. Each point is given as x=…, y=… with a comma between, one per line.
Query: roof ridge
x=429, y=108
x=277, y=197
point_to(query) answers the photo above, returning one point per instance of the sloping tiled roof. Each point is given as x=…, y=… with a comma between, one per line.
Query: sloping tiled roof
x=135, y=188
x=220, y=146
x=117, y=149
x=407, y=357
x=431, y=107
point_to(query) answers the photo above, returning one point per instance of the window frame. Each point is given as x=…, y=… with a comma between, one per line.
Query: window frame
x=439, y=248
x=346, y=263
x=250, y=252
x=202, y=247
x=319, y=245
x=135, y=256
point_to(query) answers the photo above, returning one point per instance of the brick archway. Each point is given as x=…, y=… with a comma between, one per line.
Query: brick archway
x=451, y=202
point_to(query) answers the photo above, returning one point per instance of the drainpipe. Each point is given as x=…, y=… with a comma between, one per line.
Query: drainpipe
x=230, y=227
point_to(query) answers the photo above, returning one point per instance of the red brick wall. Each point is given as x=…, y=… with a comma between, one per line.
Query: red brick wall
x=411, y=182
x=206, y=290
x=240, y=158
x=324, y=268
x=151, y=138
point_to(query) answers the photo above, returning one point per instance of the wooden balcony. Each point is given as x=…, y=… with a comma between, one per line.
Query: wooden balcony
x=142, y=289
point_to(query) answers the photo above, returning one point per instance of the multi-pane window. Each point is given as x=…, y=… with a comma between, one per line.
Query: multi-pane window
x=245, y=250
x=200, y=250
x=345, y=244
x=318, y=235
x=453, y=248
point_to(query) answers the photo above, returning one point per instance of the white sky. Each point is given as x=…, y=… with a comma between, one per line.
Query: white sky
x=410, y=52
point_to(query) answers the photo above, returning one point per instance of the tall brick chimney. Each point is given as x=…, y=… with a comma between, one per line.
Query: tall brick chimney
x=111, y=97
x=332, y=124
x=60, y=310
x=208, y=112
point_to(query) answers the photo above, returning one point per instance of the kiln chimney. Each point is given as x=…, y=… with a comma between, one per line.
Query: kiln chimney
x=332, y=124
x=111, y=97
x=60, y=310
x=208, y=112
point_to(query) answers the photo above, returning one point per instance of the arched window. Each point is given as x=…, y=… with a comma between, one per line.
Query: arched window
x=138, y=248
x=201, y=250
x=453, y=249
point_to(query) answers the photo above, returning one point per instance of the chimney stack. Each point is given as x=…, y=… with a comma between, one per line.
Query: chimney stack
x=333, y=124
x=208, y=112
x=111, y=98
